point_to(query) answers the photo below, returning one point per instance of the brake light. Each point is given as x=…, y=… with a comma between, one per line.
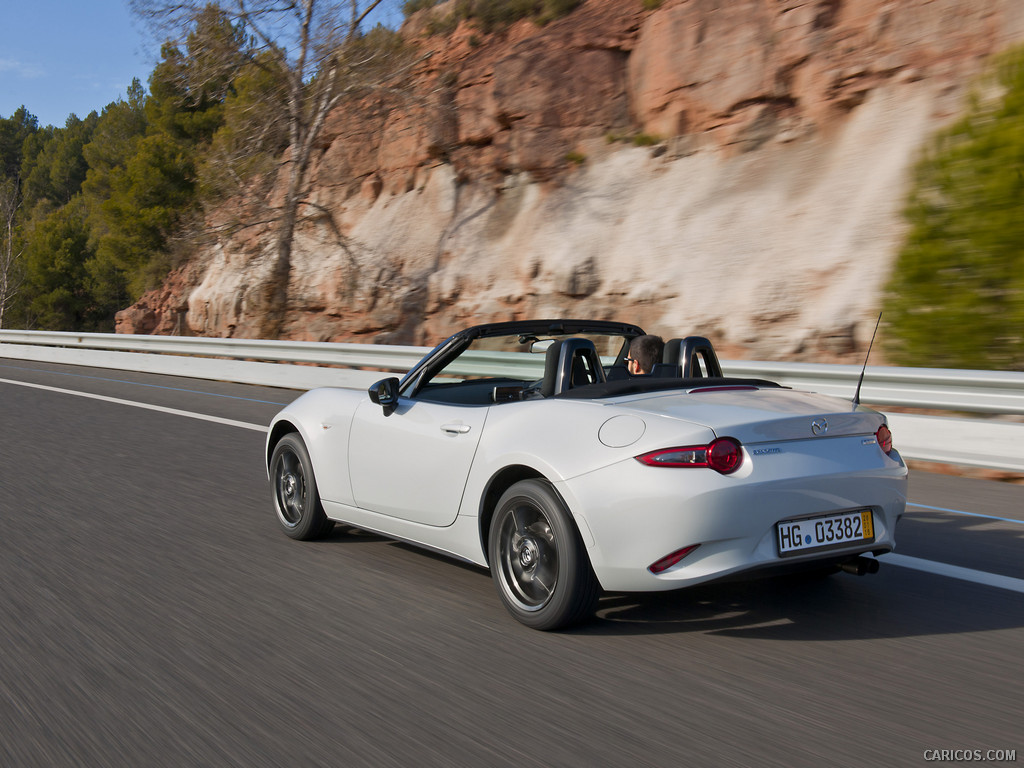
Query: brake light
x=884, y=438
x=723, y=455
x=734, y=388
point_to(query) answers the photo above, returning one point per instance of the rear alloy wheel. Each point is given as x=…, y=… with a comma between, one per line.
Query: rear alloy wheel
x=538, y=562
x=296, y=499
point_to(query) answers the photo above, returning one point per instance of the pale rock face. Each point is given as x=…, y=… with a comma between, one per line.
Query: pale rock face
x=767, y=218
x=764, y=251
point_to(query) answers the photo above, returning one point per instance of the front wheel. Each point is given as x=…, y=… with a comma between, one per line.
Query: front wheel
x=296, y=499
x=538, y=562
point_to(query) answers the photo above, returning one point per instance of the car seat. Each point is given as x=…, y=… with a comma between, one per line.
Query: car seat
x=570, y=363
x=693, y=356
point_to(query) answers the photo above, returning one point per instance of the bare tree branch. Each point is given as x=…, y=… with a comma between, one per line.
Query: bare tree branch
x=10, y=277
x=321, y=58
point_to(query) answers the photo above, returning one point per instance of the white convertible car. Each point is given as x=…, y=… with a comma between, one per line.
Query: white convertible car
x=527, y=448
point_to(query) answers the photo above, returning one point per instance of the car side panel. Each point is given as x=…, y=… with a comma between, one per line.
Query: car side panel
x=557, y=439
x=562, y=439
x=460, y=540
x=413, y=463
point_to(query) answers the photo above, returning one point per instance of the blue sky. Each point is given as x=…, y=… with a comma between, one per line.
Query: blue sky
x=64, y=56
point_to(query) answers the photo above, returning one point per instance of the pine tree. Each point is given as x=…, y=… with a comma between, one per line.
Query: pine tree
x=956, y=298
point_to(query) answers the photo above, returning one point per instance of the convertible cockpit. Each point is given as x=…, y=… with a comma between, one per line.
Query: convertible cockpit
x=587, y=365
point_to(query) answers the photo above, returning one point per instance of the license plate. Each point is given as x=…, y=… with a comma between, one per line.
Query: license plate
x=819, y=533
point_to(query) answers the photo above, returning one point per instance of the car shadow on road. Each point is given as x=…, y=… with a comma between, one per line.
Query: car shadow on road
x=896, y=602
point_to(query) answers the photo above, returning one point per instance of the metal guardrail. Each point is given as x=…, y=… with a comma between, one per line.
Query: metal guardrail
x=975, y=442
x=355, y=355
x=941, y=389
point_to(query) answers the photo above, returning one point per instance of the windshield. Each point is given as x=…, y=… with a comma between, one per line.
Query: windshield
x=519, y=357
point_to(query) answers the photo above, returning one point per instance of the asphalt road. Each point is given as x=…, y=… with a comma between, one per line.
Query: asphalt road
x=151, y=614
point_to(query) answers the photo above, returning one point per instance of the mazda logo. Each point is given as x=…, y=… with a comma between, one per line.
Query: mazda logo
x=819, y=426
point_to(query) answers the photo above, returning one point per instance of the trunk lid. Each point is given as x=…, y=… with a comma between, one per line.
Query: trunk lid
x=755, y=416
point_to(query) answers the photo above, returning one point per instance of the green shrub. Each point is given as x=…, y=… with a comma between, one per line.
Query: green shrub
x=443, y=25
x=956, y=298
x=556, y=9
x=492, y=15
x=645, y=140
x=409, y=7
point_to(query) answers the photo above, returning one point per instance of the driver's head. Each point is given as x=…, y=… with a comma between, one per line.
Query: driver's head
x=644, y=352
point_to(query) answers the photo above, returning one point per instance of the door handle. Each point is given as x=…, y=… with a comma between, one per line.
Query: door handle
x=455, y=429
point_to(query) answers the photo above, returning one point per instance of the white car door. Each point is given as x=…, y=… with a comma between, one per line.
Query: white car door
x=413, y=464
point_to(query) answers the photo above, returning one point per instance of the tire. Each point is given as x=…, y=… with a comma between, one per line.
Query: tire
x=296, y=499
x=537, y=559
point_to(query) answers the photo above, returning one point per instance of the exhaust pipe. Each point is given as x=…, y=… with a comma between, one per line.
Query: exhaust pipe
x=860, y=566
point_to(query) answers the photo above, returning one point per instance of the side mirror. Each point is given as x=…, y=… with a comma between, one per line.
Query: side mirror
x=385, y=394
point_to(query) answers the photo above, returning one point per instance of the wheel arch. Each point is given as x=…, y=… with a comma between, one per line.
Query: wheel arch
x=504, y=479
x=278, y=430
x=498, y=484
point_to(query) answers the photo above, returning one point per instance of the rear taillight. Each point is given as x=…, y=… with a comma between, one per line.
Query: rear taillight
x=884, y=438
x=723, y=455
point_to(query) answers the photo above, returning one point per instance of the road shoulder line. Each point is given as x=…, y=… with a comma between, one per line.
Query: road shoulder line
x=954, y=572
x=147, y=406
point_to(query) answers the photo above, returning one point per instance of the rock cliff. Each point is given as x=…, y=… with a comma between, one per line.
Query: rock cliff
x=733, y=169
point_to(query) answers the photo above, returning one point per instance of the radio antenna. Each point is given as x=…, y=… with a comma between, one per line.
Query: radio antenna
x=856, y=395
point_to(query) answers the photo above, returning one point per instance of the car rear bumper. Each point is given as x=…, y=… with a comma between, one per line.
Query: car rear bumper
x=632, y=516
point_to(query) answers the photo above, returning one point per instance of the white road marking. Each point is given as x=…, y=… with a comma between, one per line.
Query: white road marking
x=954, y=572
x=962, y=512
x=147, y=406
